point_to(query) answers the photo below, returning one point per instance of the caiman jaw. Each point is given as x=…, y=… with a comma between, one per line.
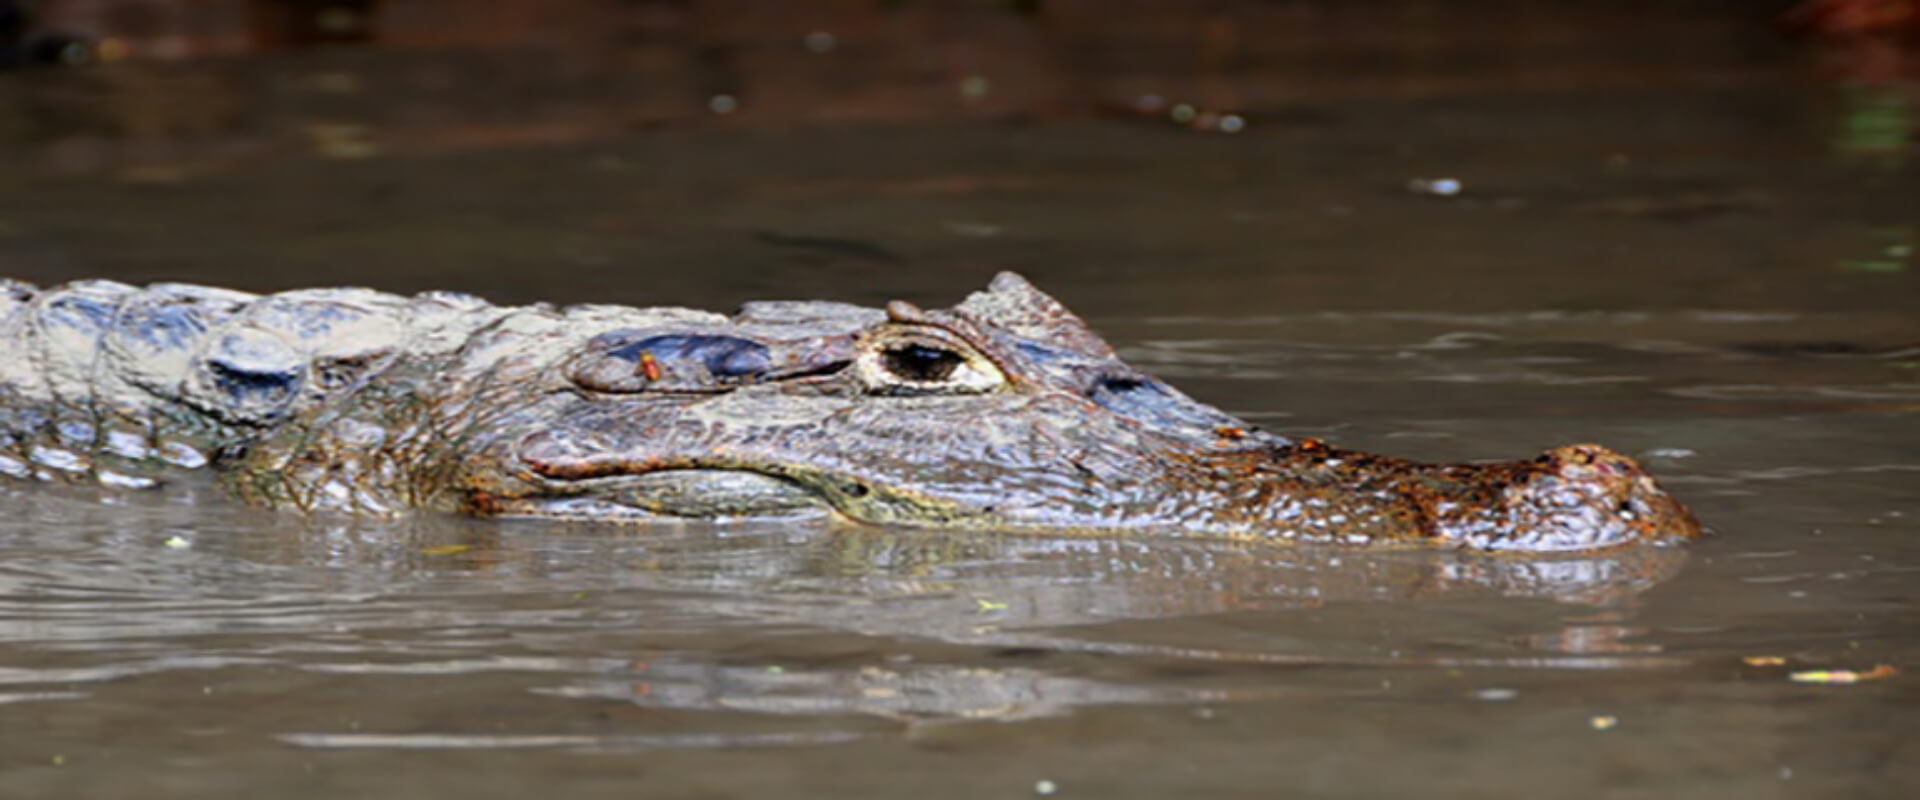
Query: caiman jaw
x=1578, y=497
x=718, y=485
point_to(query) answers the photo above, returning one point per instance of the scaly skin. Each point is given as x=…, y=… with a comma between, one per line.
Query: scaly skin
x=1005, y=412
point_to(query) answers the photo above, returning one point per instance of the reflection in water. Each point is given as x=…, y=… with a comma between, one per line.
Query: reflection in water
x=908, y=692
x=1867, y=47
x=704, y=614
x=591, y=744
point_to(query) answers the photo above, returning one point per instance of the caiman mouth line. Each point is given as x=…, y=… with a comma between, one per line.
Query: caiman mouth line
x=857, y=499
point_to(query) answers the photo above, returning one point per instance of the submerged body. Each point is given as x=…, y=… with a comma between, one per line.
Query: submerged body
x=1005, y=412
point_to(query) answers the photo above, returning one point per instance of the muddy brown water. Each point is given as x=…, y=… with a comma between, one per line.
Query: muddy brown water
x=1694, y=271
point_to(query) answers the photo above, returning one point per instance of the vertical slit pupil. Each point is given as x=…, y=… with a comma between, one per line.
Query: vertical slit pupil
x=920, y=363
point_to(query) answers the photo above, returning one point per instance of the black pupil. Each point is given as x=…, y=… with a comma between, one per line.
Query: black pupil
x=920, y=363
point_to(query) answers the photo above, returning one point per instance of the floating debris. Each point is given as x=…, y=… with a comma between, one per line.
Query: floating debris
x=1439, y=187
x=1045, y=788
x=1764, y=661
x=1603, y=722
x=178, y=543
x=1670, y=452
x=1216, y=122
x=342, y=140
x=991, y=605
x=723, y=104
x=1496, y=695
x=1153, y=107
x=1843, y=676
x=446, y=550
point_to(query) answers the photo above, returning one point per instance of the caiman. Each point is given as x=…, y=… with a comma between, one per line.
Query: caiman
x=1005, y=412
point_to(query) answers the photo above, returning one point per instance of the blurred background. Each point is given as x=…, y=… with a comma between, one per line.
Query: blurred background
x=1235, y=155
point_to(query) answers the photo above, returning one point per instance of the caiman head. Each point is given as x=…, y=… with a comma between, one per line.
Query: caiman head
x=1005, y=412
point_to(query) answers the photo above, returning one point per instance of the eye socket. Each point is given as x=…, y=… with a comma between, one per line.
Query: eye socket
x=920, y=363
x=907, y=360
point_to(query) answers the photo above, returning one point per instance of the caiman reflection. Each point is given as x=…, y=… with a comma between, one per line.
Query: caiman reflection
x=1005, y=412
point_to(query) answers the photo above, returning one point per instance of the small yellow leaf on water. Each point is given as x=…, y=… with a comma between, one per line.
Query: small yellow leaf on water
x=447, y=550
x=1843, y=676
x=1603, y=722
x=59, y=760
x=991, y=605
x=178, y=543
x=1763, y=661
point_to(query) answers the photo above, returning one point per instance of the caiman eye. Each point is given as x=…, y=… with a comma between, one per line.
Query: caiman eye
x=920, y=363
x=923, y=360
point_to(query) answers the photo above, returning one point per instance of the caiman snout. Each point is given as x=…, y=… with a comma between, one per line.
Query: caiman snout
x=1578, y=497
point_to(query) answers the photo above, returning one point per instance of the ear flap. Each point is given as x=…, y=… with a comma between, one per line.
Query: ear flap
x=1012, y=304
